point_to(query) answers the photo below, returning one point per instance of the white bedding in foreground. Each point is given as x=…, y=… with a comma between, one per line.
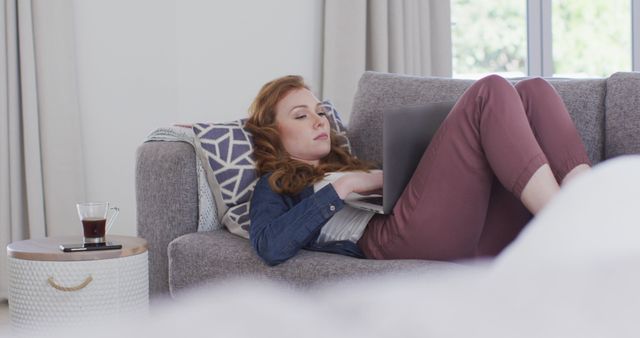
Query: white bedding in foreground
x=574, y=272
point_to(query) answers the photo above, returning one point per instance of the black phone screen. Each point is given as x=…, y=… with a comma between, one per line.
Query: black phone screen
x=89, y=247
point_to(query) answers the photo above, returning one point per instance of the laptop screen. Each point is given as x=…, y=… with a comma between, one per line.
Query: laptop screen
x=406, y=134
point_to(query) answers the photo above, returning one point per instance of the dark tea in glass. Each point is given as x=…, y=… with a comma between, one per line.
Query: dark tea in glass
x=94, y=227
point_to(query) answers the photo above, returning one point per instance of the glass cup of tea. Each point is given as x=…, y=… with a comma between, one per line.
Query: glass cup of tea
x=93, y=216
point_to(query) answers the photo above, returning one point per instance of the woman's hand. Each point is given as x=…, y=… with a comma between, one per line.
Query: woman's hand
x=360, y=182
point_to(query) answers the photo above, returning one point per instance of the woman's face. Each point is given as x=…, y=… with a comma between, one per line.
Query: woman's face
x=303, y=126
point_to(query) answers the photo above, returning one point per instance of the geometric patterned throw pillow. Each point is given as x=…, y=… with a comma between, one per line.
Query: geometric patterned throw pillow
x=335, y=122
x=226, y=151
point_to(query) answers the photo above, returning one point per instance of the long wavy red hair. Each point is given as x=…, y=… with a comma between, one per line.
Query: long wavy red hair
x=290, y=176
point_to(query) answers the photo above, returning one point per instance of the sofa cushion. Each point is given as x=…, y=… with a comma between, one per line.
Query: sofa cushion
x=584, y=99
x=217, y=255
x=226, y=151
x=623, y=115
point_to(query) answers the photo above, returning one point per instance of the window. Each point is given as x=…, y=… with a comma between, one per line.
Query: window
x=567, y=38
x=591, y=38
x=489, y=37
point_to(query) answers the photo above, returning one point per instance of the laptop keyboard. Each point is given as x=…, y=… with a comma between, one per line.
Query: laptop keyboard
x=372, y=199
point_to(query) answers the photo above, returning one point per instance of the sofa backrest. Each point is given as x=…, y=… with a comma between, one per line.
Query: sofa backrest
x=622, y=120
x=584, y=98
x=585, y=101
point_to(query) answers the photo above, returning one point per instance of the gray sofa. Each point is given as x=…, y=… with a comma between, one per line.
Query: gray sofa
x=606, y=112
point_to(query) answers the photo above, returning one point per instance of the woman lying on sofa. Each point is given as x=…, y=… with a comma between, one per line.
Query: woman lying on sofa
x=498, y=158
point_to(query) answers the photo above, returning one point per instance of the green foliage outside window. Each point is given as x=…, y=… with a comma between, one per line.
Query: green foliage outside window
x=590, y=38
x=489, y=36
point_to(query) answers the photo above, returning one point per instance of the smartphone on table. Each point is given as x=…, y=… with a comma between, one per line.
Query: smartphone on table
x=89, y=247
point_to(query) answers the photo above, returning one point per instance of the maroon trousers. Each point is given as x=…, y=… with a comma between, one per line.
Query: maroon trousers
x=463, y=200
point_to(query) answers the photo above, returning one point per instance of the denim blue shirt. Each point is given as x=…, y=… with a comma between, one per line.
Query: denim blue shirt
x=282, y=225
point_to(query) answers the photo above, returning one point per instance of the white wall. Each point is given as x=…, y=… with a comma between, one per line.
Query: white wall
x=143, y=64
x=228, y=49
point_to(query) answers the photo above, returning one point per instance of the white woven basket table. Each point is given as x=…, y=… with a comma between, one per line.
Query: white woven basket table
x=49, y=288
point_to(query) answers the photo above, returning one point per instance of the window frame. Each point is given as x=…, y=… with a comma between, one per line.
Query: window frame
x=635, y=35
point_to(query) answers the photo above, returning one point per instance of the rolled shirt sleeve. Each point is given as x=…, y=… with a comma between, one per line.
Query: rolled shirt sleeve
x=280, y=228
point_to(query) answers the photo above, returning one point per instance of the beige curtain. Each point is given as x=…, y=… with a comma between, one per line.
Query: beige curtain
x=398, y=36
x=41, y=167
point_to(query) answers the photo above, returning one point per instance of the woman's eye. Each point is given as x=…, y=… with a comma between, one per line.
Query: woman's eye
x=321, y=113
x=300, y=117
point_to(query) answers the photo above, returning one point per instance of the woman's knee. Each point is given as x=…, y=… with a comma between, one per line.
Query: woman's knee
x=533, y=87
x=494, y=82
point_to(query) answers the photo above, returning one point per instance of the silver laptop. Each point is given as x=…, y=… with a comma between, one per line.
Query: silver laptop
x=406, y=133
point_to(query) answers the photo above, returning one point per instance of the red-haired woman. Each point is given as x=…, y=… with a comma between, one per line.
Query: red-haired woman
x=497, y=159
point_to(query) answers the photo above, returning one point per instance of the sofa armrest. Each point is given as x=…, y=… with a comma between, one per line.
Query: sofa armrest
x=167, y=202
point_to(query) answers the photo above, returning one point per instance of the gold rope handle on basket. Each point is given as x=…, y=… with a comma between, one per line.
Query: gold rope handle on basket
x=69, y=288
